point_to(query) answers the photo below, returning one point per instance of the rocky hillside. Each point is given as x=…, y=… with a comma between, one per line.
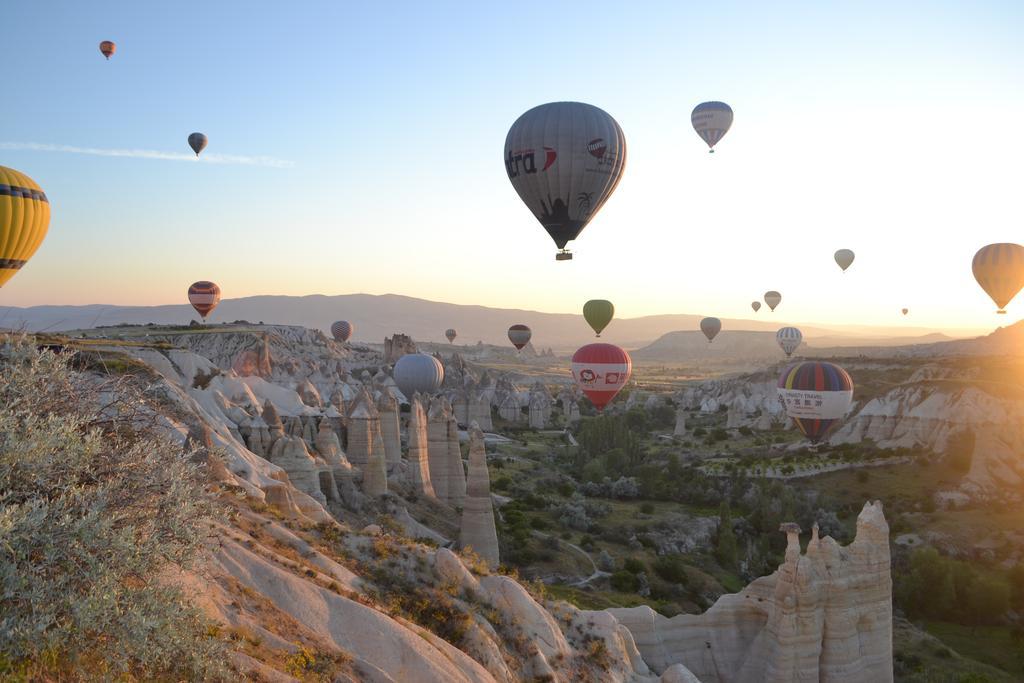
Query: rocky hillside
x=345, y=545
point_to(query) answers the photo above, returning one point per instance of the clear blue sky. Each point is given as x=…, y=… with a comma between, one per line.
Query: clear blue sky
x=890, y=128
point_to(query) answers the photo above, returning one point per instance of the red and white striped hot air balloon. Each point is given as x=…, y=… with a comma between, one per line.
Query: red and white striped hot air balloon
x=341, y=330
x=519, y=335
x=601, y=370
x=204, y=297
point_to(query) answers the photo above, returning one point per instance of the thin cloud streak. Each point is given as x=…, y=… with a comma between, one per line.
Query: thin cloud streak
x=207, y=158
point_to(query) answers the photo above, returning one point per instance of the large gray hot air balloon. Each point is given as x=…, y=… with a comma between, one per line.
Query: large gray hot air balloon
x=772, y=298
x=844, y=257
x=197, y=141
x=711, y=120
x=565, y=159
x=710, y=327
x=418, y=372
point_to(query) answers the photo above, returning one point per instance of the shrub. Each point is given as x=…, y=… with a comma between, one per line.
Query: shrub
x=93, y=505
x=624, y=582
x=671, y=568
x=633, y=565
x=647, y=508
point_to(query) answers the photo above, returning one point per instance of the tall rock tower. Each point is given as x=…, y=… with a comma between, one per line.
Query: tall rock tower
x=478, y=529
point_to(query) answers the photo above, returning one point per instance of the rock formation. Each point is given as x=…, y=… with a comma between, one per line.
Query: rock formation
x=456, y=474
x=508, y=408
x=375, y=474
x=397, y=346
x=540, y=407
x=479, y=410
x=290, y=454
x=437, y=446
x=274, y=424
x=825, y=615
x=391, y=435
x=680, y=428
x=418, y=471
x=363, y=424
x=477, y=530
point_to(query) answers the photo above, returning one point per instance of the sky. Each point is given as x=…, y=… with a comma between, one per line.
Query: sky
x=357, y=147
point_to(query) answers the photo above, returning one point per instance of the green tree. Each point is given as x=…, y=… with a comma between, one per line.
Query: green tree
x=725, y=549
x=989, y=598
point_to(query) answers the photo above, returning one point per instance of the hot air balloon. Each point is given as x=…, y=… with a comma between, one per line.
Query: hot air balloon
x=601, y=370
x=598, y=313
x=450, y=333
x=342, y=330
x=756, y=305
x=519, y=335
x=788, y=339
x=108, y=48
x=844, y=257
x=711, y=120
x=773, y=299
x=905, y=311
x=710, y=327
x=565, y=159
x=197, y=141
x=815, y=395
x=204, y=297
x=24, y=219
x=418, y=372
x=999, y=269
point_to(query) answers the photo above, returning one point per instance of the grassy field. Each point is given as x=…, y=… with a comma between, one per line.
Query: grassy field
x=992, y=645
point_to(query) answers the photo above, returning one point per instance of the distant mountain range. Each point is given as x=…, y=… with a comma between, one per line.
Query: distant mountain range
x=377, y=316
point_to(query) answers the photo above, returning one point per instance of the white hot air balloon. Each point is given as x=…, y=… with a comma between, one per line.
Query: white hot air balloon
x=844, y=257
x=418, y=372
x=712, y=121
x=789, y=339
x=565, y=160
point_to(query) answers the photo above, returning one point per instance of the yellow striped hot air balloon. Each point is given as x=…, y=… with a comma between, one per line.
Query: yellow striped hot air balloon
x=24, y=219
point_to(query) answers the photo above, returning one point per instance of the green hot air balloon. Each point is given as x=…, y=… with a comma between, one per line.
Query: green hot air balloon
x=598, y=313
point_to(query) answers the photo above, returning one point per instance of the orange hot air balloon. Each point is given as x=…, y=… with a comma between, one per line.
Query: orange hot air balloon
x=24, y=220
x=204, y=297
x=108, y=48
x=519, y=335
x=601, y=370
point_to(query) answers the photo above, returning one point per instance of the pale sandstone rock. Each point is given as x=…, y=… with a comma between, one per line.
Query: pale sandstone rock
x=375, y=475
x=290, y=454
x=477, y=529
x=680, y=428
x=456, y=473
x=437, y=447
x=418, y=471
x=363, y=424
x=826, y=615
x=387, y=407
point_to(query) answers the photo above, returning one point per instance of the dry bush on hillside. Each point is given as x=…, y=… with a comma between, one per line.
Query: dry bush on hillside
x=94, y=504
